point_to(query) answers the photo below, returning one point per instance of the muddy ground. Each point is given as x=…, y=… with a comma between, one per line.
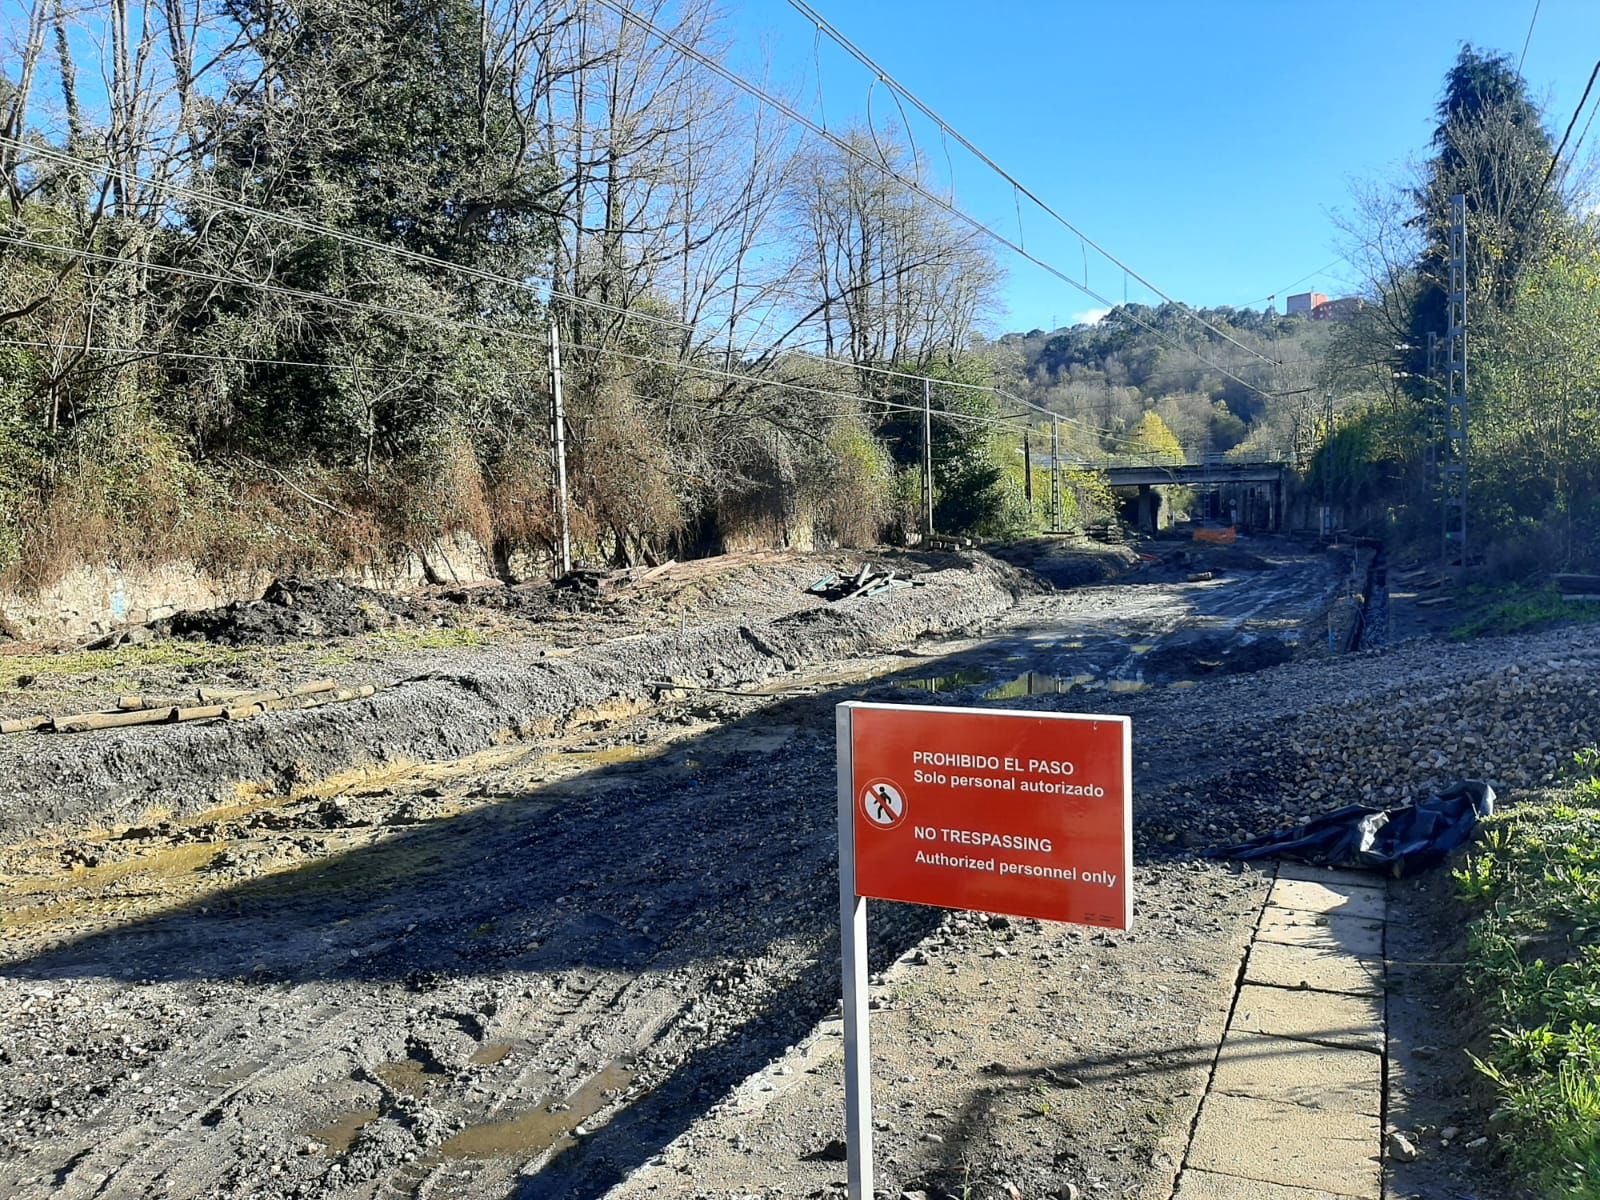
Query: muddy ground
x=600, y=953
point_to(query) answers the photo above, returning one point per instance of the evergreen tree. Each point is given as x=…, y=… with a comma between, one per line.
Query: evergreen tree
x=373, y=117
x=1490, y=146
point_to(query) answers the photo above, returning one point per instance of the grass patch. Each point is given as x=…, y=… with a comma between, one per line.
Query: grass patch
x=175, y=654
x=1534, y=968
x=180, y=654
x=1517, y=609
x=443, y=638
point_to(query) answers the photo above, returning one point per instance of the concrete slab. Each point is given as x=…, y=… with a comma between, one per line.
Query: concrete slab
x=1329, y=1018
x=1208, y=1185
x=1303, y=1073
x=1289, y=927
x=1289, y=1144
x=1333, y=876
x=1274, y=964
x=1307, y=895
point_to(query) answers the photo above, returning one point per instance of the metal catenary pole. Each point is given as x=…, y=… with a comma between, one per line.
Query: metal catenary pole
x=927, y=459
x=1453, y=469
x=558, y=443
x=1327, y=484
x=1055, y=475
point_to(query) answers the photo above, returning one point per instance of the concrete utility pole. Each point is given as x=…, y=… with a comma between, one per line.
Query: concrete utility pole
x=927, y=459
x=1055, y=475
x=1453, y=465
x=558, y=446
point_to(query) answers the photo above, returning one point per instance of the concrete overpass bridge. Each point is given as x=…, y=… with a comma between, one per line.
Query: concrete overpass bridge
x=1249, y=493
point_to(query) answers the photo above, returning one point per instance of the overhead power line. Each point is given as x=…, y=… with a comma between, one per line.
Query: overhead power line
x=132, y=355
x=1018, y=187
x=1532, y=21
x=478, y=273
x=479, y=327
x=789, y=111
x=1296, y=283
x=538, y=286
x=318, y=229
x=1556, y=157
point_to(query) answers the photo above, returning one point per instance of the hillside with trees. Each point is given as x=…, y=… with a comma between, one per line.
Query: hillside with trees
x=1243, y=386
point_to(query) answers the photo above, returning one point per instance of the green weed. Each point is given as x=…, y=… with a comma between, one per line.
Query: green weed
x=1534, y=965
x=175, y=654
x=1516, y=609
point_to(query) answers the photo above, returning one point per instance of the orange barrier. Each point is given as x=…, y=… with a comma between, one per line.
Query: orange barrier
x=1220, y=537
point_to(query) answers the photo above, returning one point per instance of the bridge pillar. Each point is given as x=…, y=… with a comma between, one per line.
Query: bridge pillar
x=1149, y=508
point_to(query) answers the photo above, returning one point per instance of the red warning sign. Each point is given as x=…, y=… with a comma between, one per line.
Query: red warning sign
x=1023, y=813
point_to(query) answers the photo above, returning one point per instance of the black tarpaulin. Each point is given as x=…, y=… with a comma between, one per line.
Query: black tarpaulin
x=1398, y=841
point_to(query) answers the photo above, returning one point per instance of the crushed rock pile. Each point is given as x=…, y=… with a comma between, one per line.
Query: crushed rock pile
x=1515, y=726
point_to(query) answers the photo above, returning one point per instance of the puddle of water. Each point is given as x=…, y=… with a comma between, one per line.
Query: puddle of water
x=490, y=1053
x=948, y=683
x=339, y=1133
x=534, y=1133
x=611, y=755
x=1032, y=683
x=409, y=1077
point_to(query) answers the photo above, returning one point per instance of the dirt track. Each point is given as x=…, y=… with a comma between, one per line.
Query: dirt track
x=541, y=969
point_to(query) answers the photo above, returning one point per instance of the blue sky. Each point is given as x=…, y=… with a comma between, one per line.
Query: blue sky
x=1208, y=143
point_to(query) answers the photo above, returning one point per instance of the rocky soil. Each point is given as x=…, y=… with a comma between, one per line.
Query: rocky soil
x=602, y=955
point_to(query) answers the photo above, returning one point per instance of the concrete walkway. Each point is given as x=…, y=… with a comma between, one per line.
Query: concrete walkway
x=1294, y=1109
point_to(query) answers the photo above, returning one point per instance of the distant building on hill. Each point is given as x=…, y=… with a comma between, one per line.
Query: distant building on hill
x=1305, y=303
x=1337, y=310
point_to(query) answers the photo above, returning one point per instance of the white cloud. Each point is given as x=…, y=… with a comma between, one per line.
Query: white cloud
x=1089, y=316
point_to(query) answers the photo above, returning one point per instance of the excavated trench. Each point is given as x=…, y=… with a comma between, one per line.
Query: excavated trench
x=473, y=701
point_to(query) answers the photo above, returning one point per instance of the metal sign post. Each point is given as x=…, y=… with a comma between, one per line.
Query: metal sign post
x=1023, y=813
x=853, y=949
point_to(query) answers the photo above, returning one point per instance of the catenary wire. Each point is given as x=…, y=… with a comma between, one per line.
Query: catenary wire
x=1556, y=157
x=460, y=323
x=1527, y=41
x=940, y=202
x=542, y=288
x=1018, y=188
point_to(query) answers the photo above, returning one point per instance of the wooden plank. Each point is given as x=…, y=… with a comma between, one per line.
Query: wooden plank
x=23, y=724
x=85, y=722
x=204, y=712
